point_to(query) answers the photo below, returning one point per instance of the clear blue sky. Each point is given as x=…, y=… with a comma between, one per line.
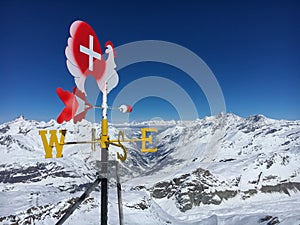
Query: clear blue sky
x=252, y=47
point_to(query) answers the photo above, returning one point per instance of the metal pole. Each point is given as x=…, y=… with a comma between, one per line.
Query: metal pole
x=104, y=201
x=93, y=146
x=104, y=186
x=104, y=158
x=119, y=190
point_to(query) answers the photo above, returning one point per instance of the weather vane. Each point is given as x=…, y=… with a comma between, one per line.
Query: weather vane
x=85, y=58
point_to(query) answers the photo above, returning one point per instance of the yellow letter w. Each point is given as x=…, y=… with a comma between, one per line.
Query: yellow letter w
x=53, y=142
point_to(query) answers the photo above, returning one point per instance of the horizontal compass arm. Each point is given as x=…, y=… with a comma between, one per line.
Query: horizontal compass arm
x=79, y=142
x=144, y=139
x=126, y=140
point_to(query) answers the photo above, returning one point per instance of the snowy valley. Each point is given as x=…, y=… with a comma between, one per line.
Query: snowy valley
x=221, y=169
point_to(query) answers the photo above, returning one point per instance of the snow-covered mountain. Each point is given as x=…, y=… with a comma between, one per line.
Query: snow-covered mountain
x=218, y=170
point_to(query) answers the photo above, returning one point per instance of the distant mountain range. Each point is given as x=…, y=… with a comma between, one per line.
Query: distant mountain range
x=221, y=169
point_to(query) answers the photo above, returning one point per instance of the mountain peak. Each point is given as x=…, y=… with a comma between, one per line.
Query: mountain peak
x=20, y=118
x=256, y=118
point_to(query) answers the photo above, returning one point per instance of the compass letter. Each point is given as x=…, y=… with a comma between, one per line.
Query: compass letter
x=53, y=142
x=148, y=139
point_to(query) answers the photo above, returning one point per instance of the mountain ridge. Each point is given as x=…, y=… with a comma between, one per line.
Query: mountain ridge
x=206, y=164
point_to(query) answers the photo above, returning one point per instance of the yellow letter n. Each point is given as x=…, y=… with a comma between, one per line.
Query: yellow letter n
x=53, y=142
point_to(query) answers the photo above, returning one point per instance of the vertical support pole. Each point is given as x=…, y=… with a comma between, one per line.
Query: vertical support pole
x=119, y=190
x=104, y=186
x=104, y=101
x=104, y=201
x=93, y=146
x=104, y=158
x=104, y=146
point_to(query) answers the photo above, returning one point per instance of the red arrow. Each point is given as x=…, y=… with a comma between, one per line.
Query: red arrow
x=76, y=105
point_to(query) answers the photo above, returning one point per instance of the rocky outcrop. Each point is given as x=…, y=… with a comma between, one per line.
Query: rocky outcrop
x=201, y=187
x=192, y=189
x=281, y=188
x=14, y=173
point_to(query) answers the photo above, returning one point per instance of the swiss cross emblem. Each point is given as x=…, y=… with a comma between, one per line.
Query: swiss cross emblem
x=90, y=52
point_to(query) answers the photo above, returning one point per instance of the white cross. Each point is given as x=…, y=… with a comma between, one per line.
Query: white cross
x=90, y=52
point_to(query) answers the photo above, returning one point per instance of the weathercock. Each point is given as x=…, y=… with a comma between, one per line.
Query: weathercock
x=84, y=58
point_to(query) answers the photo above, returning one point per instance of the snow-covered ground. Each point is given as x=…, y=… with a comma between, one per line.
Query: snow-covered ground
x=222, y=169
